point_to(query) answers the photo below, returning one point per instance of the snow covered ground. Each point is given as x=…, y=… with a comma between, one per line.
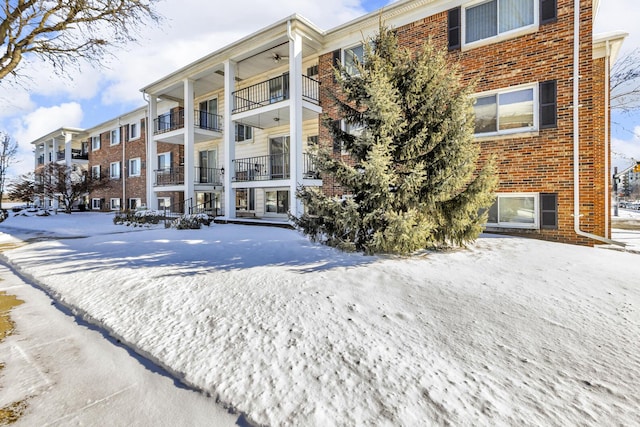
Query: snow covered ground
x=508, y=332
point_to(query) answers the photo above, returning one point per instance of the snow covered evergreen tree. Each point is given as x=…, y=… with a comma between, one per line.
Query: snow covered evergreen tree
x=412, y=172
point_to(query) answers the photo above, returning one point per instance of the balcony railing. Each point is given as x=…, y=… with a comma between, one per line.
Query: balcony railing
x=272, y=167
x=175, y=120
x=79, y=155
x=175, y=176
x=208, y=176
x=272, y=91
x=169, y=176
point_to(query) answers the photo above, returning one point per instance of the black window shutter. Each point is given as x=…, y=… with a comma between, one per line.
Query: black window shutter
x=453, y=26
x=337, y=57
x=548, y=11
x=548, y=105
x=337, y=145
x=549, y=211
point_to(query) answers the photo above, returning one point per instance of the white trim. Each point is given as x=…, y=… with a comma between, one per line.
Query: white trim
x=119, y=137
x=502, y=91
x=132, y=136
x=93, y=204
x=93, y=146
x=516, y=32
x=139, y=166
x=111, y=204
x=536, y=212
x=111, y=175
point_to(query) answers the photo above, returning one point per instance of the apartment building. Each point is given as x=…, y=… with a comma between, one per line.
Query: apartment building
x=230, y=132
x=118, y=153
x=64, y=147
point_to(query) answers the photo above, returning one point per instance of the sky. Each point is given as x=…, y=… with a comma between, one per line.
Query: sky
x=92, y=95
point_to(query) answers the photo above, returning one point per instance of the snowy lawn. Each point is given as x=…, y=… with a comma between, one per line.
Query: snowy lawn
x=510, y=331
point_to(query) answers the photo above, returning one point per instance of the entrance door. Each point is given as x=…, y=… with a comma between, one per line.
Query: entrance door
x=279, y=157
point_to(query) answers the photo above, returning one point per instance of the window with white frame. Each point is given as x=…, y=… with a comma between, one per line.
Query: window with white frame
x=115, y=137
x=506, y=111
x=95, y=172
x=164, y=203
x=134, y=167
x=515, y=210
x=135, y=203
x=134, y=131
x=96, y=204
x=243, y=132
x=114, y=204
x=95, y=143
x=486, y=19
x=114, y=170
x=164, y=161
x=351, y=56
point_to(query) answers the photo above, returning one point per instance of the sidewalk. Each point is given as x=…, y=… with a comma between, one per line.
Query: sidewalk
x=68, y=373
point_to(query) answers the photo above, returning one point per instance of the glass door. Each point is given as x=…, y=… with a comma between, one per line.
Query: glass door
x=208, y=162
x=279, y=157
x=209, y=114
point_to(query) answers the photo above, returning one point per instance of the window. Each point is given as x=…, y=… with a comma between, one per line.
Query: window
x=245, y=199
x=243, y=132
x=134, y=167
x=135, y=203
x=277, y=202
x=506, y=112
x=95, y=172
x=96, y=204
x=114, y=204
x=312, y=71
x=352, y=56
x=114, y=170
x=95, y=143
x=164, y=161
x=134, y=131
x=164, y=203
x=115, y=137
x=495, y=17
x=515, y=210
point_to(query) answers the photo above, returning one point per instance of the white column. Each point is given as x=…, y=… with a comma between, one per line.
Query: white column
x=67, y=148
x=189, y=144
x=229, y=139
x=295, y=120
x=152, y=153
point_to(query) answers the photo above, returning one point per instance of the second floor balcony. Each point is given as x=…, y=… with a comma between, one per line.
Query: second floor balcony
x=76, y=154
x=271, y=167
x=175, y=176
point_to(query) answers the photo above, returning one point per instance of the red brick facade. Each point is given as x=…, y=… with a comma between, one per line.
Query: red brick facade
x=540, y=161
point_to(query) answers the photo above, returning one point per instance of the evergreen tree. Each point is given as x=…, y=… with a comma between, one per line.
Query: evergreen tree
x=412, y=172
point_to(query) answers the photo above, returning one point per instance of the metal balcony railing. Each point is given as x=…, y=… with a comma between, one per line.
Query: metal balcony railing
x=272, y=167
x=272, y=91
x=79, y=154
x=169, y=176
x=175, y=120
x=208, y=176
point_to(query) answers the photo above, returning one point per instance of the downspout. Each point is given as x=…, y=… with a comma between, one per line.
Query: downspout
x=576, y=130
x=123, y=169
x=607, y=117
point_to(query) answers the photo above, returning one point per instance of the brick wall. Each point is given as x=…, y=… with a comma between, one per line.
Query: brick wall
x=541, y=162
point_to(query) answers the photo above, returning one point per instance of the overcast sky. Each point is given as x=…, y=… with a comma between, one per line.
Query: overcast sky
x=192, y=29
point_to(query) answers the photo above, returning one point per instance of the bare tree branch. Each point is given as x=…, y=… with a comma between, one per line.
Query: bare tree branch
x=625, y=82
x=64, y=32
x=8, y=156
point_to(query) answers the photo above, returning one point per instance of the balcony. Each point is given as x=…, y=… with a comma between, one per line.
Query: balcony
x=79, y=155
x=175, y=176
x=272, y=91
x=169, y=176
x=175, y=120
x=210, y=176
x=272, y=167
x=41, y=160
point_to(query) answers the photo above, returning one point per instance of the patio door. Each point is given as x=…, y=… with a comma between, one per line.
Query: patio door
x=279, y=157
x=209, y=114
x=208, y=162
